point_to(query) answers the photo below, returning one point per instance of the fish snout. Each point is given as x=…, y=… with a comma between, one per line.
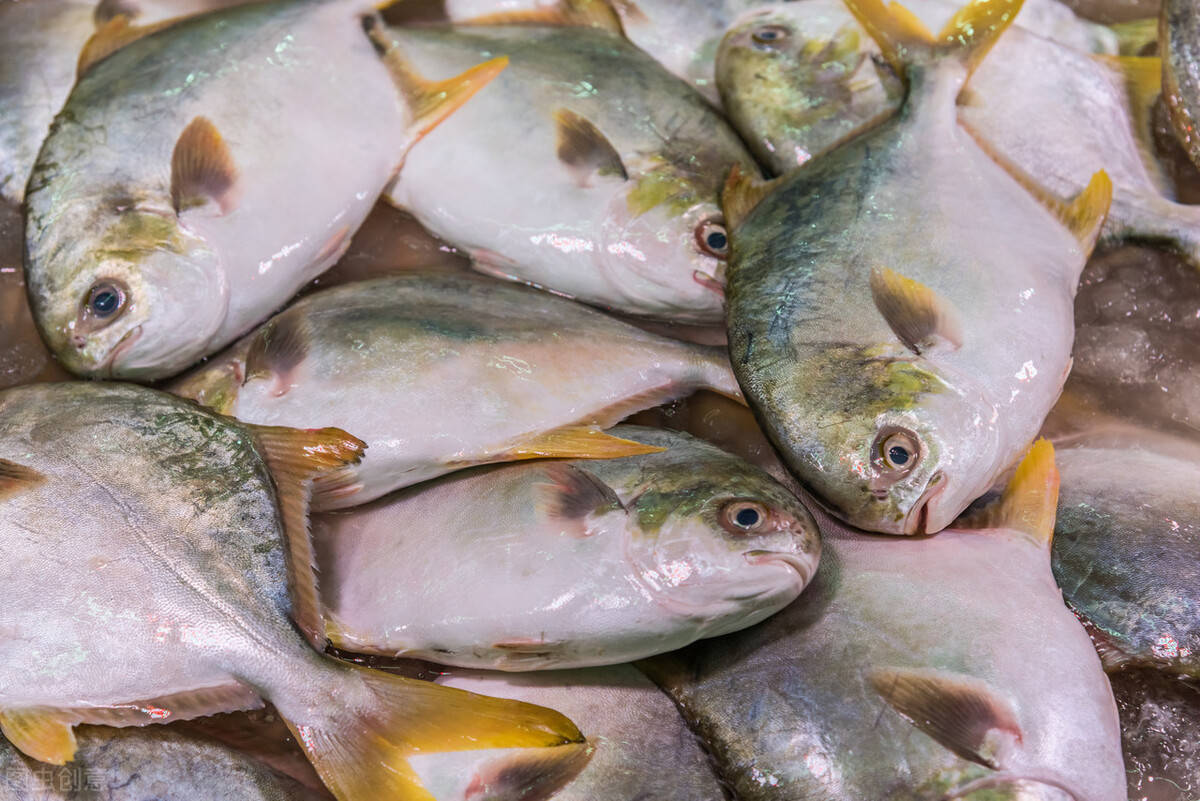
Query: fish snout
x=804, y=564
x=925, y=515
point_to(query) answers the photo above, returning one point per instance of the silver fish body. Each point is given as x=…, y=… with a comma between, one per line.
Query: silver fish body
x=585, y=168
x=439, y=372
x=541, y=565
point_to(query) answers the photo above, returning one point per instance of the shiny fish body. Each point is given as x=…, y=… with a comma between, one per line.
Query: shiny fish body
x=541, y=565
x=136, y=765
x=1179, y=35
x=1125, y=553
x=193, y=280
x=821, y=82
x=789, y=710
x=492, y=179
x=641, y=746
x=827, y=371
x=438, y=372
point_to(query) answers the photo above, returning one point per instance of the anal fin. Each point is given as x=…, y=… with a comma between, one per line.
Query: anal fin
x=40, y=732
x=575, y=442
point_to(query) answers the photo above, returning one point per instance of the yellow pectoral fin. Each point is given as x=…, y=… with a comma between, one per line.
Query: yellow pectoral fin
x=42, y=733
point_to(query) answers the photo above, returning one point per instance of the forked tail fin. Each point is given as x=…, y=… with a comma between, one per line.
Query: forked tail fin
x=362, y=754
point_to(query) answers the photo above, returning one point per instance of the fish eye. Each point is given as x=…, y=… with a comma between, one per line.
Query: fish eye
x=743, y=517
x=898, y=451
x=105, y=299
x=769, y=34
x=713, y=239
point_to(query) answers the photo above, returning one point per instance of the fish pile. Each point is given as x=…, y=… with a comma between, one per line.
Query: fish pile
x=599, y=400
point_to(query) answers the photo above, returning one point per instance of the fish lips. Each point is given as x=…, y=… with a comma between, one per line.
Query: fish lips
x=804, y=564
x=924, y=517
x=118, y=350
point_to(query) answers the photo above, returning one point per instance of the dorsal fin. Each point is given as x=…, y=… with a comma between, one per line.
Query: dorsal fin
x=1030, y=501
x=904, y=40
x=430, y=102
x=110, y=37
x=584, y=149
x=959, y=712
x=202, y=168
x=742, y=194
x=295, y=458
x=581, y=13
x=16, y=478
x=919, y=317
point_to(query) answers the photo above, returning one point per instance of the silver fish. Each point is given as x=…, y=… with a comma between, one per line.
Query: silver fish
x=585, y=168
x=144, y=543
x=136, y=765
x=945, y=667
x=563, y=564
x=899, y=310
x=440, y=372
x=178, y=154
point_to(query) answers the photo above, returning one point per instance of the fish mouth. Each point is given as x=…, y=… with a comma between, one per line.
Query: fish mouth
x=119, y=349
x=801, y=564
x=917, y=521
x=1021, y=788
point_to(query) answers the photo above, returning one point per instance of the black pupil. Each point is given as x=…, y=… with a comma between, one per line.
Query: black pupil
x=716, y=240
x=105, y=302
x=898, y=455
x=746, y=518
x=768, y=34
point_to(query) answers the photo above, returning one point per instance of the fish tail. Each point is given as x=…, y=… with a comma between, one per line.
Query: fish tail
x=361, y=749
x=1160, y=222
x=713, y=372
x=906, y=42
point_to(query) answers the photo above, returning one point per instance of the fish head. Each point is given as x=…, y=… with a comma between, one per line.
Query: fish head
x=142, y=300
x=885, y=440
x=711, y=543
x=799, y=78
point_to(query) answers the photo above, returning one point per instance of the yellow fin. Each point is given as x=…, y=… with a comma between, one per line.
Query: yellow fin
x=202, y=168
x=295, y=458
x=1138, y=37
x=1084, y=216
x=1030, y=501
x=919, y=317
x=576, y=442
x=583, y=13
x=976, y=27
x=44, y=734
x=894, y=28
x=433, y=101
x=110, y=37
x=16, y=478
x=1143, y=83
x=364, y=758
x=742, y=194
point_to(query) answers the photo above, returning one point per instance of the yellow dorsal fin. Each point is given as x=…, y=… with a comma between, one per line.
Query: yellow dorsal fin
x=583, y=13
x=742, y=193
x=111, y=37
x=430, y=102
x=904, y=40
x=575, y=442
x=1030, y=501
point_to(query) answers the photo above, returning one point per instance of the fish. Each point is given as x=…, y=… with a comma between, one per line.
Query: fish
x=1179, y=24
x=135, y=765
x=900, y=309
x=820, y=81
x=23, y=355
x=441, y=372
x=177, y=154
x=1124, y=550
x=566, y=563
x=585, y=169
x=935, y=668
x=641, y=747
x=149, y=550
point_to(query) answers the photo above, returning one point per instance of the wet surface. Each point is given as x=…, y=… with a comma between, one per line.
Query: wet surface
x=1160, y=729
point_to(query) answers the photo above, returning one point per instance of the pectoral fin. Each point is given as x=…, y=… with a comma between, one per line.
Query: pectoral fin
x=202, y=168
x=584, y=149
x=16, y=478
x=1029, y=503
x=573, y=493
x=277, y=350
x=919, y=317
x=295, y=458
x=958, y=712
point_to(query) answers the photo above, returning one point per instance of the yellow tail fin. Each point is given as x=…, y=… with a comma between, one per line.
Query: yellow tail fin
x=363, y=755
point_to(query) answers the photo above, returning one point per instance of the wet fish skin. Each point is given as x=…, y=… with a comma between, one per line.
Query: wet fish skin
x=1124, y=554
x=641, y=748
x=613, y=211
x=173, y=270
x=1179, y=24
x=503, y=362
x=134, y=489
x=821, y=81
x=978, y=607
x=563, y=564
x=134, y=764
